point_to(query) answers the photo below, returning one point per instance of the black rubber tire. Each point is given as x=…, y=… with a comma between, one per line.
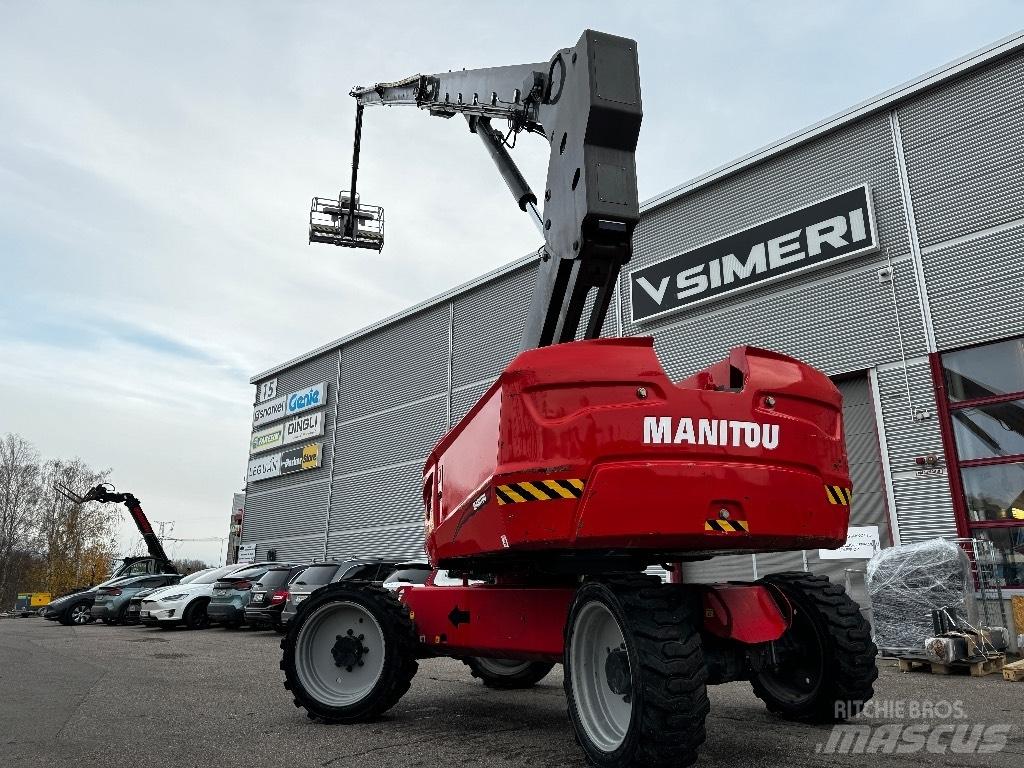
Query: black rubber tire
x=400, y=646
x=525, y=678
x=122, y=616
x=231, y=625
x=195, y=616
x=666, y=661
x=109, y=622
x=847, y=670
x=67, y=619
x=281, y=629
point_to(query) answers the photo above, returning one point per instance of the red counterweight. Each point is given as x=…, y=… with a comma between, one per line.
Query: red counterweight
x=587, y=448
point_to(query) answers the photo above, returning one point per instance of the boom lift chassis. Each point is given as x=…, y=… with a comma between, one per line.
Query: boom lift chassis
x=583, y=464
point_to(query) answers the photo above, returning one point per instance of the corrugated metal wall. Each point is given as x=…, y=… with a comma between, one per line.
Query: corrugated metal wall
x=398, y=387
x=859, y=326
x=293, y=508
x=964, y=145
x=974, y=287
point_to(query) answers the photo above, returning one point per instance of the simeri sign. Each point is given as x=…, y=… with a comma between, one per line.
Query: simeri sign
x=305, y=399
x=301, y=458
x=268, y=411
x=264, y=467
x=304, y=427
x=265, y=439
x=840, y=227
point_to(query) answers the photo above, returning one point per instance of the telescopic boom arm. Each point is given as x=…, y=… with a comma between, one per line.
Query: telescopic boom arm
x=105, y=493
x=586, y=102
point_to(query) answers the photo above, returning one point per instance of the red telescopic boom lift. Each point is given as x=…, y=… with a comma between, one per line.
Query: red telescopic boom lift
x=584, y=463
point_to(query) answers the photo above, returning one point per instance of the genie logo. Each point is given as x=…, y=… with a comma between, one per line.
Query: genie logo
x=307, y=398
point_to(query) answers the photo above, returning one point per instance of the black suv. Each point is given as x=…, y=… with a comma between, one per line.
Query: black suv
x=269, y=595
x=321, y=574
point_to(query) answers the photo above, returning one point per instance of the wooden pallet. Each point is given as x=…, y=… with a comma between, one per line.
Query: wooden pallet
x=993, y=662
x=1014, y=672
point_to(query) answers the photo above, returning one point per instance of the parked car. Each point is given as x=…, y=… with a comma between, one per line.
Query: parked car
x=231, y=594
x=135, y=602
x=110, y=604
x=323, y=573
x=407, y=575
x=75, y=609
x=185, y=604
x=269, y=595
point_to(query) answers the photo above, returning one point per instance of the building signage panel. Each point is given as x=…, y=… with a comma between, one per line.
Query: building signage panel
x=272, y=410
x=304, y=428
x=862, y=543
x=264, y=467
x=265, y=439
x=246, y=554
x=304, y=399
x=268, y=390
x=840, y=227
x=301, y=458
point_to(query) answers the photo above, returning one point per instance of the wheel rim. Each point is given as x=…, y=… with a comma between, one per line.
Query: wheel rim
x=339, y=653
x=501, y=667
x=796, y=679
x=199, y=618
x=601, y=678
x=80, y=614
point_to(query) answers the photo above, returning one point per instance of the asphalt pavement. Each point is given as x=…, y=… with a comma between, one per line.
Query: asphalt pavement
x=131, y=696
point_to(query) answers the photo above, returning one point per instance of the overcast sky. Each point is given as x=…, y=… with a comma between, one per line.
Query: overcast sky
x=157, y=160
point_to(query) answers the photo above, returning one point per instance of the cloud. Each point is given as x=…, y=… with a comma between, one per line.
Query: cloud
x=156, y=166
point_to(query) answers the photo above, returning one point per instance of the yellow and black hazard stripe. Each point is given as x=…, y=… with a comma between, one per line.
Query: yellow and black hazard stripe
x=539, y=490
x=837, y=495
x=727, y=526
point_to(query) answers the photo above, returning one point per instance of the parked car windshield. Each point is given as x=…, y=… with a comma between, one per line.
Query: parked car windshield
x=276, y=576
x=250, y=573
x=197, y=575
x=317, y=574
x=409, y=576
x=212, y=575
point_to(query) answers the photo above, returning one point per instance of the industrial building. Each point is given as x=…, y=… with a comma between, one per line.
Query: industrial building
x=919, y=193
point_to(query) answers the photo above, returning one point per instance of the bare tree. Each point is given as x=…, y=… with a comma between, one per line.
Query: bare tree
x=19, y=495
x=77, y=538
x=186, y=566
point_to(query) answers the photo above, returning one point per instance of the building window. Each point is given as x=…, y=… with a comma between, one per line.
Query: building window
x=985, y=413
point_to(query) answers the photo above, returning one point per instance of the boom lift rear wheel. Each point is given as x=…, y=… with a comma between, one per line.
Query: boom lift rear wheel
x=507, y=674
x=824, y=665
x=635, y=674
x=350, y=654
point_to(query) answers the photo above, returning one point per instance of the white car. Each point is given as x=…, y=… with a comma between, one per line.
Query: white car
x=185, y=602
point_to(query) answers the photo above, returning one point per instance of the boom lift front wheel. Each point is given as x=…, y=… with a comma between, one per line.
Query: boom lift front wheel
x=350, y=653
x=635, y=674
x=822, y=669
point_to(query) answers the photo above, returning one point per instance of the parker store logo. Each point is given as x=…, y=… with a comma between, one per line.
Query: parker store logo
x=299, y=459
x=837, y=228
